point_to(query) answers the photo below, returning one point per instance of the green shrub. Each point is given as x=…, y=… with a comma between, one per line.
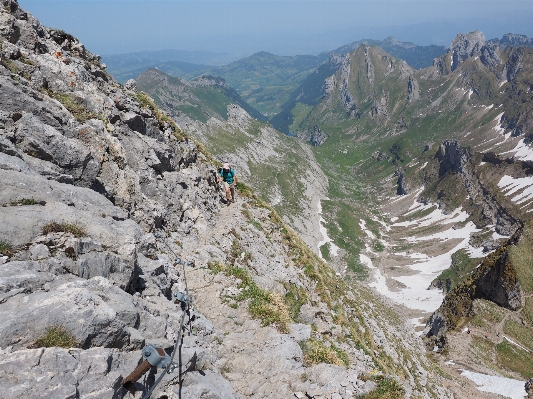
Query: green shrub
x=388, y=388
x=266, y=306
x=244, y=190
x=57, y=335
x=74, y=229
x=316, y=352
x=5, y=248
x=80, y=113
x=27, y=201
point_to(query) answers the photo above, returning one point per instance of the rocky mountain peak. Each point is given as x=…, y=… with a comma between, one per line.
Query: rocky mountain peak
x=468, y=46
x=465, y=46
x=210, y=81
x=513, y=40
x=391, y=41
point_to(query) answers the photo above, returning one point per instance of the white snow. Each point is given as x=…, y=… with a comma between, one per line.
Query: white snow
x=500, y=129
x=418, y=322
x=423, y=166
x=324, y=232
x=449, y=363
x=380, y=283
x=415, y=255
x=470, y=92
x=384, y=225
x=362, y=224
x=496, y=236
x=502, y=83
x=415, y=293
x=522, y=151
x=511, y=185
x=507, y=387
x=482, y=163
x=474, y=252
x=436, y=216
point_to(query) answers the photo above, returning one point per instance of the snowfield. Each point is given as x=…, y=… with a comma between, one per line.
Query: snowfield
x=324, y=232
x=507, y=387
x=511, y=185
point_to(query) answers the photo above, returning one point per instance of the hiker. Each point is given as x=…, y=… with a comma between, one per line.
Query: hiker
x=227, y=175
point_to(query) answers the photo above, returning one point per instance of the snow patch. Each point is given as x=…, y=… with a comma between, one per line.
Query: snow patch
x=415, y=255
x=507, y=387
x=334, y=249
x=370, y=235
x=415, y=293
x=437, y=216
x=510, y=185
x=522, y=151
x=449, y=363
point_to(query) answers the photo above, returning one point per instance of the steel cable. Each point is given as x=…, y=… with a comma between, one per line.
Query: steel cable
x=185, y=310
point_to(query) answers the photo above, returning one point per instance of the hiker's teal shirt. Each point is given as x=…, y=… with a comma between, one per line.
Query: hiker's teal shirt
x=227, y=176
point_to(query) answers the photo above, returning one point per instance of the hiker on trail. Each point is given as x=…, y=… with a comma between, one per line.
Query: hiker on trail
x=227, y=175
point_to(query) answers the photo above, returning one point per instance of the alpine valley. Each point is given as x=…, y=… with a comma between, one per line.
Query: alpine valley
x=380, y=244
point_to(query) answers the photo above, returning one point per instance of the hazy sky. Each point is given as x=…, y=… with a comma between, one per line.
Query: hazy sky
x=281, y=27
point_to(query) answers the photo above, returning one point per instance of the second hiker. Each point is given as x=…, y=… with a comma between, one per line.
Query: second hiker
x=227, y=175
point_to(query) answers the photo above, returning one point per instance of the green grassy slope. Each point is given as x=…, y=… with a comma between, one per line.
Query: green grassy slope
x=265, y=80
x=198, y=101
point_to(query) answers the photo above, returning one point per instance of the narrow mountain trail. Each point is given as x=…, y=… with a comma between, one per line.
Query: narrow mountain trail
x=252, y=357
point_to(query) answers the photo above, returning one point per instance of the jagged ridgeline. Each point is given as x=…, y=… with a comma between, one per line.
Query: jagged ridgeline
x=100, y=190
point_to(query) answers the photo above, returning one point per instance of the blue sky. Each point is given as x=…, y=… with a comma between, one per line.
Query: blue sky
x=281, y=27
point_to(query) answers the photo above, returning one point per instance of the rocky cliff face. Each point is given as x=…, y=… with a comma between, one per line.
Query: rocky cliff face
x=318, y=137
x=495, y=280
x=466, y=46
x=456, y=159
x=99, y=192
x=348, y=102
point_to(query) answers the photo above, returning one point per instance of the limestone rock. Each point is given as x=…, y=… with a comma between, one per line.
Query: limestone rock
x=348, y=102
x=413, y=89
x=318, y=137
x=529, y=388
x=465, y=46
